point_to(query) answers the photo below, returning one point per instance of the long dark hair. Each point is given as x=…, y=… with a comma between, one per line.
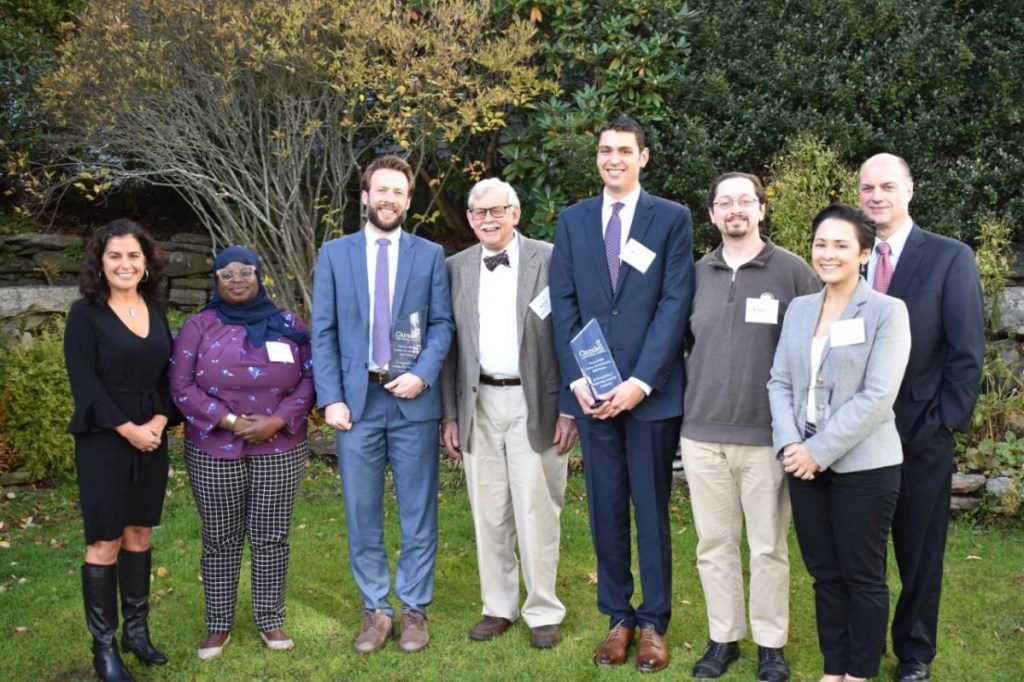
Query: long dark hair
x=91, y=281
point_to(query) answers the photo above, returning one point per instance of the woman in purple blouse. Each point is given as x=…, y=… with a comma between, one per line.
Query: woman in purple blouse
x=241, y=375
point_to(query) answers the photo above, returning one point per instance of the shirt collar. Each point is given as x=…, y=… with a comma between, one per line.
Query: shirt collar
x=629, y=201
x=898, y=239
x=373, y=234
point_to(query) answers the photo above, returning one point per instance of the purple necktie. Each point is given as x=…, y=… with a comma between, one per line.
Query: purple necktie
x=381, y=307
x=883, y=269
x=612, y=243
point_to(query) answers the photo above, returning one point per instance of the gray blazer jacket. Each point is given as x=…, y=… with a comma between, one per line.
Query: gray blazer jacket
x=538, y=363
x=856, y=387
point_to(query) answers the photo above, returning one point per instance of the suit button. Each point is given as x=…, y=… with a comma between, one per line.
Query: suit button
x=474, y=389
x=615, y=311
x=821, y=381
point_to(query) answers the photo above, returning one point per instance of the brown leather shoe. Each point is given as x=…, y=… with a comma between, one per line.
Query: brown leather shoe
x=488, y=628
x=615, y=647
x=414, y=635
x=376, y=630
x=651, y=650
x=545, y=636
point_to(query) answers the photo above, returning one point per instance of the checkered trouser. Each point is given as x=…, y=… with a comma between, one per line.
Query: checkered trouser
x=251, y=496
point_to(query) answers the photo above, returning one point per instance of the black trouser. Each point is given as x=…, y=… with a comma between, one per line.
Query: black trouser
x=842, y=523
x=919, y=543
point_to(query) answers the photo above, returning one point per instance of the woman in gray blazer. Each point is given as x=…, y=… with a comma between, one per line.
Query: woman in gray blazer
x=837, y=369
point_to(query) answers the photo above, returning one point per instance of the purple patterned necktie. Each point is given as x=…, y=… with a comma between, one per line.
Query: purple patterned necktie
x=883, y=269
x=381, y=307
x=612, y=243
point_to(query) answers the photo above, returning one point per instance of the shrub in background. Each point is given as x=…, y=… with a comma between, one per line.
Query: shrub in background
x=36, y=404
x=993, y=266
x=804, y=179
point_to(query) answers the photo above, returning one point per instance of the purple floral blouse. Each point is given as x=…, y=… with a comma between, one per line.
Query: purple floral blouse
x=216, y=371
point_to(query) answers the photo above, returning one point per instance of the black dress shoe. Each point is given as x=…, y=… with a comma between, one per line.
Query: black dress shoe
x=771, y=665
x=910, y=670
x=716, y=659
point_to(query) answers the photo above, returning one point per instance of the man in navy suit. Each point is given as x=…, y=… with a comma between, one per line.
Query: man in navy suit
x=938, y=279
x=624, y=258
x=377, y=294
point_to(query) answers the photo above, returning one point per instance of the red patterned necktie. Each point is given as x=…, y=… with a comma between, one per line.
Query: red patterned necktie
x=883, y=269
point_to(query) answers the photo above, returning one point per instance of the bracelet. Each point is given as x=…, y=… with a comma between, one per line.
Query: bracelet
x=228, y=422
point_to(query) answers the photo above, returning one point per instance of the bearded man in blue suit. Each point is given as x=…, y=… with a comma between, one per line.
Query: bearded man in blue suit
x=379, y=295
x=625, y=259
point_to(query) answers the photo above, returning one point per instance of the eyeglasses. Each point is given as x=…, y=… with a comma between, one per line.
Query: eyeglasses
x=742, y=202
x=495, y=211
x=228, y=275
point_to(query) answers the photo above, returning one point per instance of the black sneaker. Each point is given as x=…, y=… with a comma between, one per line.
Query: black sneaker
x=716, y=659
x=771, y=666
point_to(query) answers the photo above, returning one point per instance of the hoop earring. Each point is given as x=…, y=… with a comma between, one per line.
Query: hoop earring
x=145, y=276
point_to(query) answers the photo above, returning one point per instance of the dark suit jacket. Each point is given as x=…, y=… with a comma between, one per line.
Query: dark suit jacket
x=645, y=321
x=538, y=367
x=341, y=321
x=938, y=280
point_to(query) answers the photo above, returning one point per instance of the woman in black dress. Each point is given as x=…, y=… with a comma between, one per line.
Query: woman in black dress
x=116, y=348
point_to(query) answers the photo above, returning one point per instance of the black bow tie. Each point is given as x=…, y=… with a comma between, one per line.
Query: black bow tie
x=497, y=259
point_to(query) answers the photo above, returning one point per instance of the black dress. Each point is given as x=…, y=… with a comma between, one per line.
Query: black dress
x=116, y=377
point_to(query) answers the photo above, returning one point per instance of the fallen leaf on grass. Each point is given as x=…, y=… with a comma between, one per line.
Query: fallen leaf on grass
x=162, y=572
x=11, y=496
x=28, y=522
x=687, y=602
x=179, y=543
x=5, y=544
x=687, y=646
x=20, y=631
x=973, y=557
x=592, y=578
x=58, y=544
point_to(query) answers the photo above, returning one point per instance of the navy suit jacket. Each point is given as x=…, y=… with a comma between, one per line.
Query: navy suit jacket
x=645, y=321
x=938, y=280
x=341, y=321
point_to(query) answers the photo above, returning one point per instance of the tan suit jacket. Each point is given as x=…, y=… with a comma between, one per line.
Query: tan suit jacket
x=538, y=364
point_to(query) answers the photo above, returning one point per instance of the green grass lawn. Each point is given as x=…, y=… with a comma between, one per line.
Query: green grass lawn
x=43, y=635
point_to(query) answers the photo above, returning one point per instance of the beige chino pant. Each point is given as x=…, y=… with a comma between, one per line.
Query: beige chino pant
x=514, y=492
x=729, y=484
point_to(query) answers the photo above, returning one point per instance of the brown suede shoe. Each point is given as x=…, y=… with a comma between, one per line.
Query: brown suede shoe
x=414, y=635
x=376, y=630
x=615, y=647
x=545, y=636
x=488, y=628
x=651, y=650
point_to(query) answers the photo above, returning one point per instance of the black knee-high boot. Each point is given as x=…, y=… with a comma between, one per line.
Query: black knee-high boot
x=133, y=574
x=99, y=590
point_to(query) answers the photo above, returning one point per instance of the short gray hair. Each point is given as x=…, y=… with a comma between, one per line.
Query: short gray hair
x=490, y=183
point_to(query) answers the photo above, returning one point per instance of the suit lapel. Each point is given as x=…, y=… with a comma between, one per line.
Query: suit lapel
x=529, y=268
x=470, y=300
x=406, y=255
x=852, y=310
x=643, y=216
x=360, y=279
x=595, y=240
x=908, y=262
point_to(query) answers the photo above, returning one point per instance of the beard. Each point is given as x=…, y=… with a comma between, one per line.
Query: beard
x=371, y=215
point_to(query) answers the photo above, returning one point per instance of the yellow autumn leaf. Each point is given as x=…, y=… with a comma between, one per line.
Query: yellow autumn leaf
x=535, y=15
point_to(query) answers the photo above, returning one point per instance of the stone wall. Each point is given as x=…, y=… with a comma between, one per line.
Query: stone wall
x=39, y=272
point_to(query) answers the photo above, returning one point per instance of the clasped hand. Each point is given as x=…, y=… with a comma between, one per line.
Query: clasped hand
x=797, y=460
x=622, y=398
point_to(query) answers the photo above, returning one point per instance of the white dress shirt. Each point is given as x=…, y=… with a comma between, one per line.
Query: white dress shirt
x=372, y=235
x=499, y=332
x=626, y=213
x=896, y=241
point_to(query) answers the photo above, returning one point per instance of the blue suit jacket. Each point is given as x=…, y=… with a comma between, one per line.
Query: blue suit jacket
x=341, y=321
x=645, y=321
x=938, y=280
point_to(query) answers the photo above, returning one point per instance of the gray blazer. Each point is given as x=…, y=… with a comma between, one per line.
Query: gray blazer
x=538, y=363
x=856, y=388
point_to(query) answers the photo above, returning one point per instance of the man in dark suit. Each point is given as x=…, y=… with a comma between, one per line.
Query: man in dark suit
x=625, y=259
x=376, y=295
x=938, y=279
x=500, y=386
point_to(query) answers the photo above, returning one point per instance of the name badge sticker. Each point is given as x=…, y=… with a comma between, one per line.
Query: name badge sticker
x=541, y=306
x=637, y=255
x=847, y=332
x=762, y=311
x=278, y=351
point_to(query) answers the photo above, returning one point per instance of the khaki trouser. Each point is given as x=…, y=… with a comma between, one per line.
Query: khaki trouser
x=729, y=484
x=514, y=492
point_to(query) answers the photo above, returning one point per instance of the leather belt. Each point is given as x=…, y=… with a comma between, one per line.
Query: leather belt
x=380, y=378
x=493, y=381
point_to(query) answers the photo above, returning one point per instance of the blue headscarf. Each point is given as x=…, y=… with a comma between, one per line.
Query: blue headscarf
x=261, y=318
